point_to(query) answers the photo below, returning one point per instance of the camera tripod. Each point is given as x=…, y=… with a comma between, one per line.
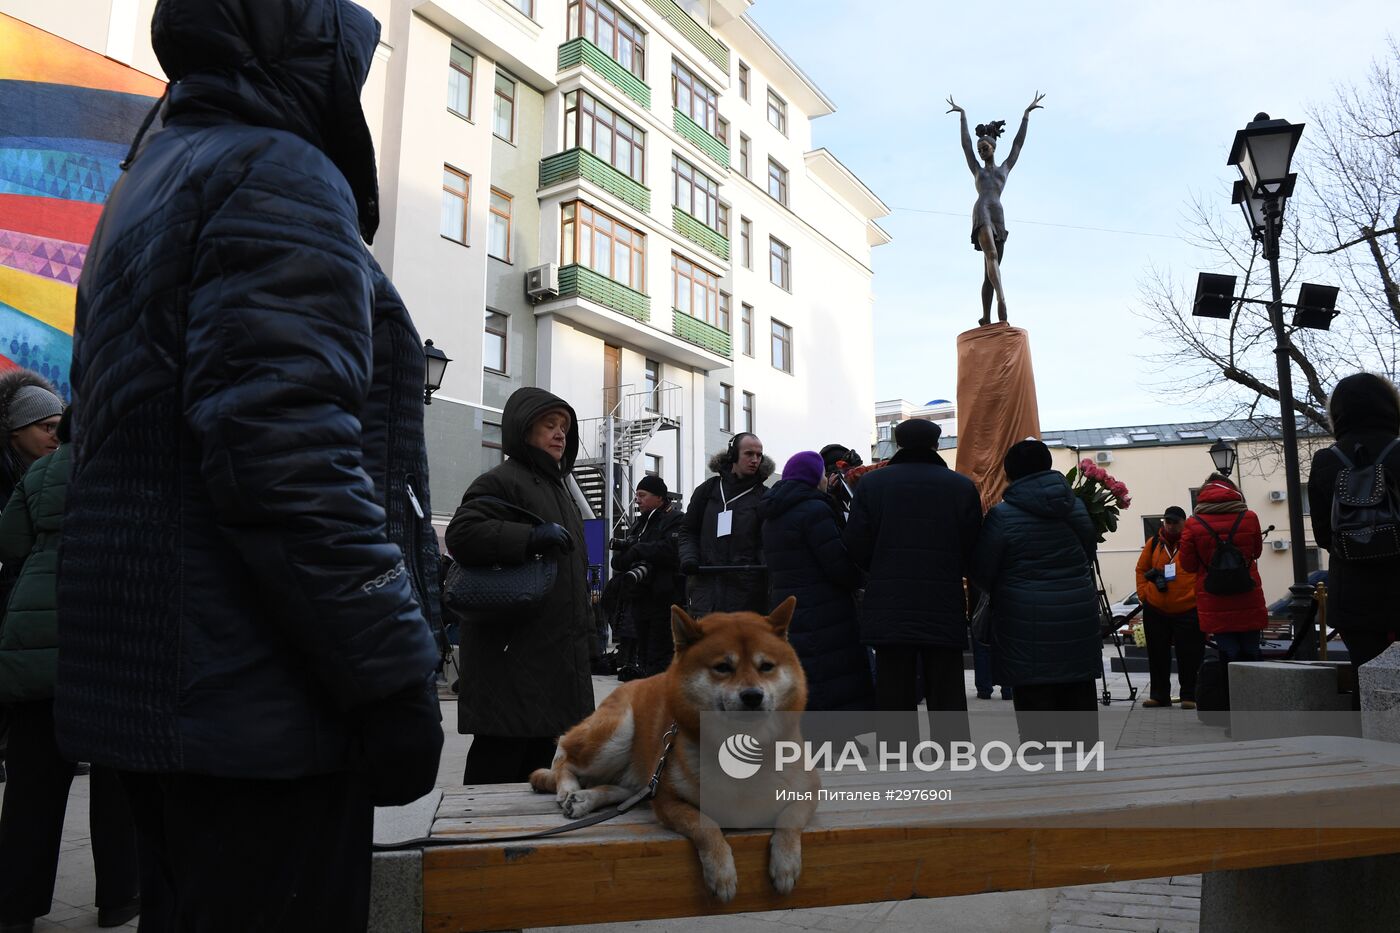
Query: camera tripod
x=1109, y=628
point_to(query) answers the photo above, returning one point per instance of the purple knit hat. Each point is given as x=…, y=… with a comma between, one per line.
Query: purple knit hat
x=805, y=466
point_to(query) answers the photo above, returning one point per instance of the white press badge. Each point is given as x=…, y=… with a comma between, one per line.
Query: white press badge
x=1169, y=572
x=724, y=524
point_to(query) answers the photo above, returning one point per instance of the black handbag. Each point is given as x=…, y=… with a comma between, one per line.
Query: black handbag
x=500, y=589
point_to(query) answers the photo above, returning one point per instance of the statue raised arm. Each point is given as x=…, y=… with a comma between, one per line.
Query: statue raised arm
x=988, y=219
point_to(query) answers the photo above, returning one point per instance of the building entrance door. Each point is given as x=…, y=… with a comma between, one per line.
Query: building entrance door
x=612, y=377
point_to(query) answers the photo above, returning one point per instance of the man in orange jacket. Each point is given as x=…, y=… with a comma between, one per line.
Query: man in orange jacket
x=1168, y=595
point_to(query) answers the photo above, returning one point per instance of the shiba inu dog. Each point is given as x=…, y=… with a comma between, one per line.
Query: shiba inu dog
x=725, y=662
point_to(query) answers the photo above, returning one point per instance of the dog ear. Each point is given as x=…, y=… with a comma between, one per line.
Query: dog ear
x=781, y=617
x=685, y=631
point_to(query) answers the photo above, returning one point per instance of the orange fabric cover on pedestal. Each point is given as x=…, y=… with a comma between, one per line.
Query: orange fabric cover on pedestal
x=996, y=403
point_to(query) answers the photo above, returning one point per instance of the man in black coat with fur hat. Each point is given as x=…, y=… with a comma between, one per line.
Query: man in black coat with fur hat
x=648, y=561
x=913, y=526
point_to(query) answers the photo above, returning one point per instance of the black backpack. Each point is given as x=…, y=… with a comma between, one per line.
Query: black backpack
x=1365, y=510
x=1228, y=570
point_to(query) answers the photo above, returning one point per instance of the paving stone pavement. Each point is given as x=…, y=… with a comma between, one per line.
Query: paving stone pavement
x=1169, y=905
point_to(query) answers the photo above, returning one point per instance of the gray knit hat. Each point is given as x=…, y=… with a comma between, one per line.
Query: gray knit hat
x=31, y=404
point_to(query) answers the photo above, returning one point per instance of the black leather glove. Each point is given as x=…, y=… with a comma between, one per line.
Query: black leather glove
x=401, y=743
x=550, y=538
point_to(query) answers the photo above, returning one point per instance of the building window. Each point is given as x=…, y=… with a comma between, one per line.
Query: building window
x=498, y=241
x=746, y=242
x=524, y=6
x=723, y=217
x=744, y=81
x=459, y=82
x=723, y=134
x=724, y=304
x=744, y=145
x=598, y=128
x=494, y=355
x=778, y=182
x=1312, y=559
x=503, y=124
x=653, y=465
x=1303, y=492
x=694, y=98
x=456, y=196
x=491, y=448
x=695, y=192
x=651, y=379
x=750, y=413
x=695, y=290
x=746, y=329
x=780, y=264
x=607, y=246
x=777, y=112
x=600, y=23
x=726, y=408
x=1151, y=524
x=782, y=346
x=884, y=432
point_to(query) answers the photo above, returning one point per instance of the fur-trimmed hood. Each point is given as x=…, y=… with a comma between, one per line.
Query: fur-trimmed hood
x=721, y=464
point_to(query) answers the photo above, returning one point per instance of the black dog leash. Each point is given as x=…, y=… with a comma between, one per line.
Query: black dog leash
x=646, y=793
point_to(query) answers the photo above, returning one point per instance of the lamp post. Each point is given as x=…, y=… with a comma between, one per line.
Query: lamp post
x=1263, y=152
x=1223, y=456
x=434, y=366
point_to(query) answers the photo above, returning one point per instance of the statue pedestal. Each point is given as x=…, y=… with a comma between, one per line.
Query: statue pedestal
x=996, y=403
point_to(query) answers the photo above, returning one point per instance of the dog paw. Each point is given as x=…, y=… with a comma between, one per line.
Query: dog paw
x=784, y=862
x=577, y=804
x=720, y=876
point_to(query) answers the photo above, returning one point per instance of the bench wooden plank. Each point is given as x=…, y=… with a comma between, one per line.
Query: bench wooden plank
x=1001, y=832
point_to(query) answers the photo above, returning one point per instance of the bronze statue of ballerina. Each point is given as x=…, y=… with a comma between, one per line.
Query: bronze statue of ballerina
x=988, y=221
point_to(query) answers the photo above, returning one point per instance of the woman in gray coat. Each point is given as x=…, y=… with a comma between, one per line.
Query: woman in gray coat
x=526, y=678
x=1034, y=558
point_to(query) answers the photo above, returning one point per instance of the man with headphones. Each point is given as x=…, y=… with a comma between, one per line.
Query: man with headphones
x=723, y=527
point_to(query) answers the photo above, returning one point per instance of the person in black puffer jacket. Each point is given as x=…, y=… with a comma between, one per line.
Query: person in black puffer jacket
x=1034, y=558
x=736, y=489
x=807, y=559
x=246, y=565
x=526, y=678
x=914, y=524
x=1365, y=414
x=652, y=543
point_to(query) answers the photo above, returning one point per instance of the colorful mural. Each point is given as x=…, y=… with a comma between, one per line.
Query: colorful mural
x=67, y=116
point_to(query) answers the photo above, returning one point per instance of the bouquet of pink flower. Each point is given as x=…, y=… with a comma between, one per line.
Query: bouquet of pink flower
x=1104, y=496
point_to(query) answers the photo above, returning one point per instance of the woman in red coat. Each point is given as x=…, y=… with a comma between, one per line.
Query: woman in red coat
x=1234, y=619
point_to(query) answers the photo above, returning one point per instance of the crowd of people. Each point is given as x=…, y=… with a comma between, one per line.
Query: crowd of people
x=220, y=579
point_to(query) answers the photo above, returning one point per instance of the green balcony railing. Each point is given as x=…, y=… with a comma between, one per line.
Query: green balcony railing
x=713, y=49
x=705, y=336
x=706, y=143
x=582, y=281
x=580, y=163
x=582, y=52
x=699, y=233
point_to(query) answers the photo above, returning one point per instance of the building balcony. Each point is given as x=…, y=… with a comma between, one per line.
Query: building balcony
x=713, y=49
x=580, y=163
x=699, y=233
x=581, y=281
x=706, y=336
x=694, y=133
x=582, y=52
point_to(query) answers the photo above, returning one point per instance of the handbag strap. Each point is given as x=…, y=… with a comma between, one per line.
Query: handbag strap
x=508, y=505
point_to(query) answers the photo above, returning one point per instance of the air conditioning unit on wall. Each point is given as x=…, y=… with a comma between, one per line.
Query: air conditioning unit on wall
x=542, y=282
x=1279, y=545
x=1277, y=495
x=1103, y=456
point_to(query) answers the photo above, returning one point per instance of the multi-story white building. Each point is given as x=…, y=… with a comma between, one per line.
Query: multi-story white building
x=617, y=200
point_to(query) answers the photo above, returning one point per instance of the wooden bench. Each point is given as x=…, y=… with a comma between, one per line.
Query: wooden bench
x=1236, y=805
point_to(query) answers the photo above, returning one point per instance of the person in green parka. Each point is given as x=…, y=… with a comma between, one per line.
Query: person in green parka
x=36, y=797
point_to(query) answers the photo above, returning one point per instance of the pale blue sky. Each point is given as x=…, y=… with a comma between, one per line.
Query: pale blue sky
x=1143, y=102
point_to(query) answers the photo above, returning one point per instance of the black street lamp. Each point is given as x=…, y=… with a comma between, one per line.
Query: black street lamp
x=434, y=365
x=1223, y=456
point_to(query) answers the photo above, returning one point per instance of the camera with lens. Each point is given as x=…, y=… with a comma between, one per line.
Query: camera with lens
x=639, y=573
x=1157, y=578
x=622, y=544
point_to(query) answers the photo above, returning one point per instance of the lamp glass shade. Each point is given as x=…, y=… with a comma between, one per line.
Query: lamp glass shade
x=1252, y=206
x=1223, y=456
x=1263, y=150
x=435, y=365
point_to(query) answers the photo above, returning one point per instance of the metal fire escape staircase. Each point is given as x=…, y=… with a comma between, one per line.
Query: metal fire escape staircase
x=611, y=447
